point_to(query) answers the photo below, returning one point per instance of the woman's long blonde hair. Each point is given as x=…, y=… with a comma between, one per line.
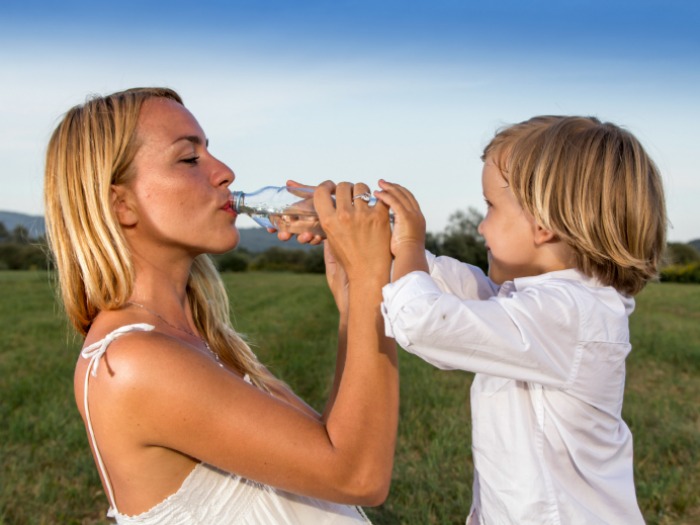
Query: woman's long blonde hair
x=92, y=149
x=593, y=185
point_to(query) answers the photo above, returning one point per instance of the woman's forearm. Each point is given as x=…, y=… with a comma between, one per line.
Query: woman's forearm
x=364, y=416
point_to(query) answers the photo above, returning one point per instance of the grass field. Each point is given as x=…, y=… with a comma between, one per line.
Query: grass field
x=48, y=476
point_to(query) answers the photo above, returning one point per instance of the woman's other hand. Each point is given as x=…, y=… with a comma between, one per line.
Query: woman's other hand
x=337, y=279
x=302, y=238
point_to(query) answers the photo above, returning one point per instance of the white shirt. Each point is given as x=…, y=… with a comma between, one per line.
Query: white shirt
x=549, y=444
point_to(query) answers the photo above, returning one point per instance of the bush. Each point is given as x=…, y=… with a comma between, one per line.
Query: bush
x=681, y=273
x=314, y=262
x=461, y=239
x=15, y=256
x=282, y=259
x=681, y=253
x=233, y=261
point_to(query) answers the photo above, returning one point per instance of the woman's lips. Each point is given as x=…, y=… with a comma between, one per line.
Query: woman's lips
x=229, y=209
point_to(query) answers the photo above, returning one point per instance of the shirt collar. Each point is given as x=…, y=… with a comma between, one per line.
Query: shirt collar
x=570, y=274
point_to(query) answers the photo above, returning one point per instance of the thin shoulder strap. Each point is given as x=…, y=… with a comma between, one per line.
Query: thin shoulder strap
x=94, y=352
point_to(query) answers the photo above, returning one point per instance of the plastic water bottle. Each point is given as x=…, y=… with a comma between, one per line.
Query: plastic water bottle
x=284, y=208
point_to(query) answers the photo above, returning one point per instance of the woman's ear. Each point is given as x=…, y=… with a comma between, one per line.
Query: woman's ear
x=121, y=204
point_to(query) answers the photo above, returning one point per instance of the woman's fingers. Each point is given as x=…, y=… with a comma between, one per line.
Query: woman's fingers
x=323, y=200
x=359, y=194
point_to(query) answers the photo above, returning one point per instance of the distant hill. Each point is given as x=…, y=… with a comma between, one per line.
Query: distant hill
x=33, y=223
x=254, y=239
x=695, y=244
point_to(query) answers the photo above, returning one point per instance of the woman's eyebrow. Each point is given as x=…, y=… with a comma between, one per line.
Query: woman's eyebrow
x=194, y=139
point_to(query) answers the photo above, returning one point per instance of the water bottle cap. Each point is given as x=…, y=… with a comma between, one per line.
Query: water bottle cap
x=237, y=200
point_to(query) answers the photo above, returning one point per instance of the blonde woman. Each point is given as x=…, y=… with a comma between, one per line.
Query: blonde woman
x=185, y=425
x=575, y=227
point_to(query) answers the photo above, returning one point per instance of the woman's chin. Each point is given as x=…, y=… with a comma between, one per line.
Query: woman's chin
x=230, y=243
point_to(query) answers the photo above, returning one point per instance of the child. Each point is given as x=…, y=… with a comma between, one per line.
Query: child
x=575, y=228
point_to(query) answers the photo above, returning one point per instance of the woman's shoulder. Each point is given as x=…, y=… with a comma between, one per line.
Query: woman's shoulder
x=124, y=355
x=143, y=380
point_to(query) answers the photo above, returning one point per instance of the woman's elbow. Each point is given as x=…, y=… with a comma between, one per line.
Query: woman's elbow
x=368, y=490
x=377, y=496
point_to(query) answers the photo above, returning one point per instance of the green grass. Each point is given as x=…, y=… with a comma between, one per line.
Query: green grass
x=48, y=475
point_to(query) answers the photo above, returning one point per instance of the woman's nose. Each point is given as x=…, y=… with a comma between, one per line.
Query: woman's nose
x=224, y=174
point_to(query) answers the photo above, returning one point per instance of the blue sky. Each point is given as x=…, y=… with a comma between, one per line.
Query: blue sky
x=409, y=91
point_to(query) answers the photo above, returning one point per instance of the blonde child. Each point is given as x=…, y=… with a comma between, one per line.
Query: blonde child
x=575, y=228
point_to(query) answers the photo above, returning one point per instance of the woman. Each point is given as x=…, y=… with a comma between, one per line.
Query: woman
x=184, y=424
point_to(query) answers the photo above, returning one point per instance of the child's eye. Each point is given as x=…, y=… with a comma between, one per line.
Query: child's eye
x=191, y=160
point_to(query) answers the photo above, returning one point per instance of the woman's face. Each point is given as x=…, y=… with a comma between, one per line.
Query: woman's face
x=179, y=195
x=509, y=231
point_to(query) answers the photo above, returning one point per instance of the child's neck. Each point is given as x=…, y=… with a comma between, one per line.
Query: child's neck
x=555, y=256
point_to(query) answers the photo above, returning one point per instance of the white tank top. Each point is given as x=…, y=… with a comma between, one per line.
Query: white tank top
x=212, y=496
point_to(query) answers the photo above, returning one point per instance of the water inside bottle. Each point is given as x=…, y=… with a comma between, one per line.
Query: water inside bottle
x=296, y=223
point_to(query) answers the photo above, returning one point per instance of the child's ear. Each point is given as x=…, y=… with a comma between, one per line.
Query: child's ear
x=121, y=204
x=543, y=235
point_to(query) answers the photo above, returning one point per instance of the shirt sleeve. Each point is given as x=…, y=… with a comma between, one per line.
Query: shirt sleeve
x=463, y=280
x=528, y=335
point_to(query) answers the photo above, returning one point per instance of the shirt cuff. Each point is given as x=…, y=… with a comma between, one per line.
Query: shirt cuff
x=398, y=294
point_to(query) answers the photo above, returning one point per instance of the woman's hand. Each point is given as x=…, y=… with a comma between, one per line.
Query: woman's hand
x=337, y=279
x=302, y=238
x=359, y=234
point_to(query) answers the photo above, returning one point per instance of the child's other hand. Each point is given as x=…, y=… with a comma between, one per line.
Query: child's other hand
x=409, y=222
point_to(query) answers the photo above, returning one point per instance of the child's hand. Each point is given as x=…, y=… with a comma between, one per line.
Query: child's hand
x=408, y=236
x=409, y=222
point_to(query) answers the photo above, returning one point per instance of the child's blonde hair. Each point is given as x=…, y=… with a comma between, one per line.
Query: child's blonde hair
x=92, y=149
x=594, y=186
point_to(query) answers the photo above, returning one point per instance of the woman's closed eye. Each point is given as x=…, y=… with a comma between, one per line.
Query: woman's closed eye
x=191, y=160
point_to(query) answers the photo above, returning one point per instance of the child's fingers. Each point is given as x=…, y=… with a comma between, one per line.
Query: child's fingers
x=398, y=198
x=398, y=193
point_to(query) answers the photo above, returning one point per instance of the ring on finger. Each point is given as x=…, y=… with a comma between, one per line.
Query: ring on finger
x=364, y=196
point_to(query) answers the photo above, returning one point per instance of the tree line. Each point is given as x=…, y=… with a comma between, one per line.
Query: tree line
x=19, y=251
x=460, y=239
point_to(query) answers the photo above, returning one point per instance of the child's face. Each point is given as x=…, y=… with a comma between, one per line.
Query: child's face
x=508, y=230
